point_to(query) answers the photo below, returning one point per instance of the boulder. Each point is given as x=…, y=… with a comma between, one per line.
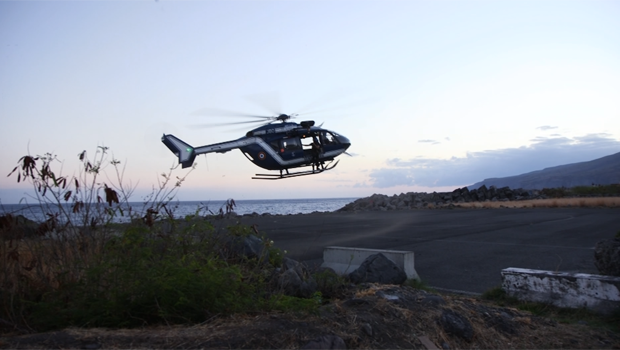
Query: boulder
x=295, y=280
x=378, y=269
x=251, y=247
x=607, y=257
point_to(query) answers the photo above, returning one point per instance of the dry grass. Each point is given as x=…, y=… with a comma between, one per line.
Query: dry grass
x=607, y=202
x=35, y=263
x=394, y=324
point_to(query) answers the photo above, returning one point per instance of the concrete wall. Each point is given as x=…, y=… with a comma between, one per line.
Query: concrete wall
x=345, y=260
x=562, y=289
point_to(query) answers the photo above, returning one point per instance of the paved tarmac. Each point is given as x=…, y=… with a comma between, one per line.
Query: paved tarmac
x=455, y=249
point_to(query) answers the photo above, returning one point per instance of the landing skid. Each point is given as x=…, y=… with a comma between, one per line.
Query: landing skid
x=286, y=175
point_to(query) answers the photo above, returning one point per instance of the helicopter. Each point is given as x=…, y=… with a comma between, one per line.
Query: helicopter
x=275, y=146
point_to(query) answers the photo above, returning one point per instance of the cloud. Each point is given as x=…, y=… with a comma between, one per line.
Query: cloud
x=477, y=166
x=432, y=142
x=546, y=127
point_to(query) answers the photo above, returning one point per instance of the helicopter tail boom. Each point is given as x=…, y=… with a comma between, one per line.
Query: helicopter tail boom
x=185, y=152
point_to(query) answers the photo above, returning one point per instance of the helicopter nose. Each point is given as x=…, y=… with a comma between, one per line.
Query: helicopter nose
x=344, y=141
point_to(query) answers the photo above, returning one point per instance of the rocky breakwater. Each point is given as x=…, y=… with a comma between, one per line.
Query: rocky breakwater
x=421, y=200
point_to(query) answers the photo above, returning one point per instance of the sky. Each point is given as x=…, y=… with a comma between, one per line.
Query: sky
x=434, y=95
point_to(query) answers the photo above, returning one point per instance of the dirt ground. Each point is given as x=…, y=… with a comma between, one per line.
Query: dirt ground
x=369, y=316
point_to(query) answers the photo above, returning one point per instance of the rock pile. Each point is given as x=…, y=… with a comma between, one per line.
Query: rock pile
x=420, y=200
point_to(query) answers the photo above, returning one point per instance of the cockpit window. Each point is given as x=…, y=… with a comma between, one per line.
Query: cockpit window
x=328, y=138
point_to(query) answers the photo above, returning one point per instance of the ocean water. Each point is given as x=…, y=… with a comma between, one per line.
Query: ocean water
x=269, y=206
x=181, y=209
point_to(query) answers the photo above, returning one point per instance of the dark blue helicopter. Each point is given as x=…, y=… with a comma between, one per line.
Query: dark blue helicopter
x=275, y=146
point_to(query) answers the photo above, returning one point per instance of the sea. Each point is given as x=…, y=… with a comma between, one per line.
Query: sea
x=208, y=207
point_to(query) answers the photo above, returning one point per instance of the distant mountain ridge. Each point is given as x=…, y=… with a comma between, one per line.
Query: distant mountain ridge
x=601, y=171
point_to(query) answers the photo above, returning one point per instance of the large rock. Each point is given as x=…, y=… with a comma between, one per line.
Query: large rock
x=378, y=269
x=295, y=280
x=251, y=247
x=607, y=257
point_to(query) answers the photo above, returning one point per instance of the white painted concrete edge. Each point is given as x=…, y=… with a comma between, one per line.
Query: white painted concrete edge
x=573, y=290
x=345, y=260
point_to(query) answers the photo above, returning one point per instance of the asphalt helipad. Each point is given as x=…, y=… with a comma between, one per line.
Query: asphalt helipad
x=455, y=249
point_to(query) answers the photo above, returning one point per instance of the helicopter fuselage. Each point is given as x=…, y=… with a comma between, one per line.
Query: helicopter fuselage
x=272, y=146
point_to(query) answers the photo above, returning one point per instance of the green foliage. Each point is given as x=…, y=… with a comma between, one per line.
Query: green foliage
x=597, y=190
x=329, y=283
x=287, y=303
x=276, y=255
x=582, y=191
x=417, y=284
x=238, y=230
x=498, y=296
x=555, y=192
x=143, y=279
x=153, y=269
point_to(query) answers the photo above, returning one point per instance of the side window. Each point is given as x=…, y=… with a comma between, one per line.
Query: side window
x=291, y=144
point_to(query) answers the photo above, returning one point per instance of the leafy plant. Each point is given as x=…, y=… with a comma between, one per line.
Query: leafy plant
x=498, y=296
x=417, y=284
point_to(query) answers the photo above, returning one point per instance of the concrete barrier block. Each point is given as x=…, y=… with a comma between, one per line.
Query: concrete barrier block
x=573, y=290
x=345, y=260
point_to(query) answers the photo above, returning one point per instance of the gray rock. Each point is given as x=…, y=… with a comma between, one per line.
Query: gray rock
x=607, y=257
x=295, y=280
x=455, y=324
x=250, y=247
x=378, y=269
x=326, y=342
x=253, y=246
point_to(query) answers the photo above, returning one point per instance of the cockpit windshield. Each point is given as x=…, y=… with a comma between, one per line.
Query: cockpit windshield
x=328, y=137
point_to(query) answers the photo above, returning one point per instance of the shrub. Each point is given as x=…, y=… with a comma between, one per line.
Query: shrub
x=95, y=261
x=612, y=190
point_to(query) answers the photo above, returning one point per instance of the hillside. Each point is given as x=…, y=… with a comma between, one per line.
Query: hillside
x=601, y=171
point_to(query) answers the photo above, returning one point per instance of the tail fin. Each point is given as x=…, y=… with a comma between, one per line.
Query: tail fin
x=180, y=149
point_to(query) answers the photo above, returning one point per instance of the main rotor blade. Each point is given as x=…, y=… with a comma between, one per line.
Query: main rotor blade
x=208, y=125
x=215, y=112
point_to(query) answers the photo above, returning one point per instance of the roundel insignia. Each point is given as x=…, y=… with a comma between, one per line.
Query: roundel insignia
x=261, y=155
